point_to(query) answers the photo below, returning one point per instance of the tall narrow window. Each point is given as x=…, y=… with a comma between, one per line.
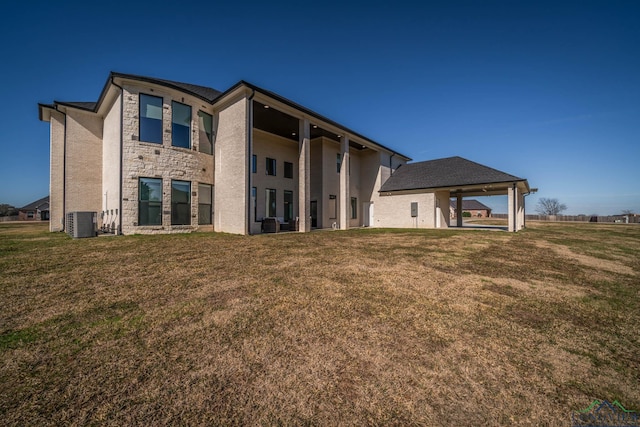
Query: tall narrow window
x=205, y=197
x=205, y=141
x=338, y=162
x=270, y=203
x=180, y=202
x=354, y=208
x=333, y=208
x=180, y=125
x=149, y=201
x=150, y=118
x=288, y=170
x=254, y=163
x=288, y=205
x=254, y=200
x=271, y=166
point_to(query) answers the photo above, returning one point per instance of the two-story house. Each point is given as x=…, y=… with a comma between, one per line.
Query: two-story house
x=154, y=156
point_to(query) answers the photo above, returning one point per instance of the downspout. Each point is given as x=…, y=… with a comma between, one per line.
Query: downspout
x=121, y=154
x=249, y=158
x=64, y=171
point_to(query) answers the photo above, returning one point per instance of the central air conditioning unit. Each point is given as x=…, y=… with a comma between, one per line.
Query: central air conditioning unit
x=82, y=224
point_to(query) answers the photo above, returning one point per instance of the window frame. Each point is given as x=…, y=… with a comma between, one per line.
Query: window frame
x=144, y=138
x=200, y=204
x=156, y=203
x=270, y=162
x=173, y=124
x=209, y=137
x=288, y=206
x=335, y=206
x=288, y=170
x=174, y=204
x=254, y=163
x=338, y=162
x=270, y=202
x=354, y=208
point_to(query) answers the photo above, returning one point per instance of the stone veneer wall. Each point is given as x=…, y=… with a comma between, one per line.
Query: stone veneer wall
x=149, y=160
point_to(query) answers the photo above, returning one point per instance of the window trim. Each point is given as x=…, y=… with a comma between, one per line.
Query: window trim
x=287, y=212
x=273, y=163
x=202, y=184
x=290, y=175
x=254, y=163
x=140, y=201
x=354, y=208
x=175, y=203
x=335, y=206
x=140, y=95
x=268, y=203
x=209, y=138
x=190, y=144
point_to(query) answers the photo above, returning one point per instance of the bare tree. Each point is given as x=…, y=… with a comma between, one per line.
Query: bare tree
x=627, y=212
x=550, y=206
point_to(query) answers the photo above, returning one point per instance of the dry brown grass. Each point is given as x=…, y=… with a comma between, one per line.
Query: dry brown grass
x=329, y=328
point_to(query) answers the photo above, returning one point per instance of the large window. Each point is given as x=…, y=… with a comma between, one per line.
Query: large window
x=180, y=202
x=205, y=198
x=254, y=200
x=354, y=208
x=150, y=118
x=271, y=166
x=149, y=201
x=333, y=206
x=288, y=205
x=205, y=141
x=270, y=203
x=288, y=170
x=180, y=125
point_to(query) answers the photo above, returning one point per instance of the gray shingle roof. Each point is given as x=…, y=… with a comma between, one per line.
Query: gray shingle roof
x=207, y=93
x=470, y=205
x=42, y=204
x=440, y=173
x=91, y=106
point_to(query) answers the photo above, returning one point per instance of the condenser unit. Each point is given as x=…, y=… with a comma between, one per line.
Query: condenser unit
x=82, y=224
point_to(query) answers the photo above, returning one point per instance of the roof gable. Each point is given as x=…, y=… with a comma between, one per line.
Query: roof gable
x=41, y=204
x=441, y=173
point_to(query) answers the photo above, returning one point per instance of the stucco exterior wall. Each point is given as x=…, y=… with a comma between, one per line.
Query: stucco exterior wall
x=111, y=166
x=56, y=181
x=83, y=161
x=395, y=211
x=443, y=206
x=231, y=168
x=150, y=160
x=330, y=184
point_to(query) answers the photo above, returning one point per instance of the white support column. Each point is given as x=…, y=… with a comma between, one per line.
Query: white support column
x=345, y=200
x=304, y=169
x=512, y=194
x=520, y=209
x=459, y=209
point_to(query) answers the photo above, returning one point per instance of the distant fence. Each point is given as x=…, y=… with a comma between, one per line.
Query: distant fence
x=8, y=218
x=624, y=219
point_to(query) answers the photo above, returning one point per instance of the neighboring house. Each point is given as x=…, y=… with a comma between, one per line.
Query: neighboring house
x=36, y=211
x=159, y=156
x=473, y=207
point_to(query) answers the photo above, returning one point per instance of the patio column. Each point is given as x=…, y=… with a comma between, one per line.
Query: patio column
x=514, y=216
x=520, y=210
x=459, y=209
x=304, y=169
x=345, y=201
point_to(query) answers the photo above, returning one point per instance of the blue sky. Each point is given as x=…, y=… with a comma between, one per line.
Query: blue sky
x=548, y=91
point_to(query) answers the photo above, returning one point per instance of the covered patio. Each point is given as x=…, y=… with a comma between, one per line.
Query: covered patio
x=456, y=177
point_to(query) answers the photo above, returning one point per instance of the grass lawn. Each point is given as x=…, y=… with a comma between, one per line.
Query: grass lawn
x=406, y=327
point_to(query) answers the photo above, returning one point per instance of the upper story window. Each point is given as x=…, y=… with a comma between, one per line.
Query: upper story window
x=338, y=162
x=254, y=163
x=150, y=118
x=205, y=122
x=180, y=125
x=288, y=170
x=271, y=166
